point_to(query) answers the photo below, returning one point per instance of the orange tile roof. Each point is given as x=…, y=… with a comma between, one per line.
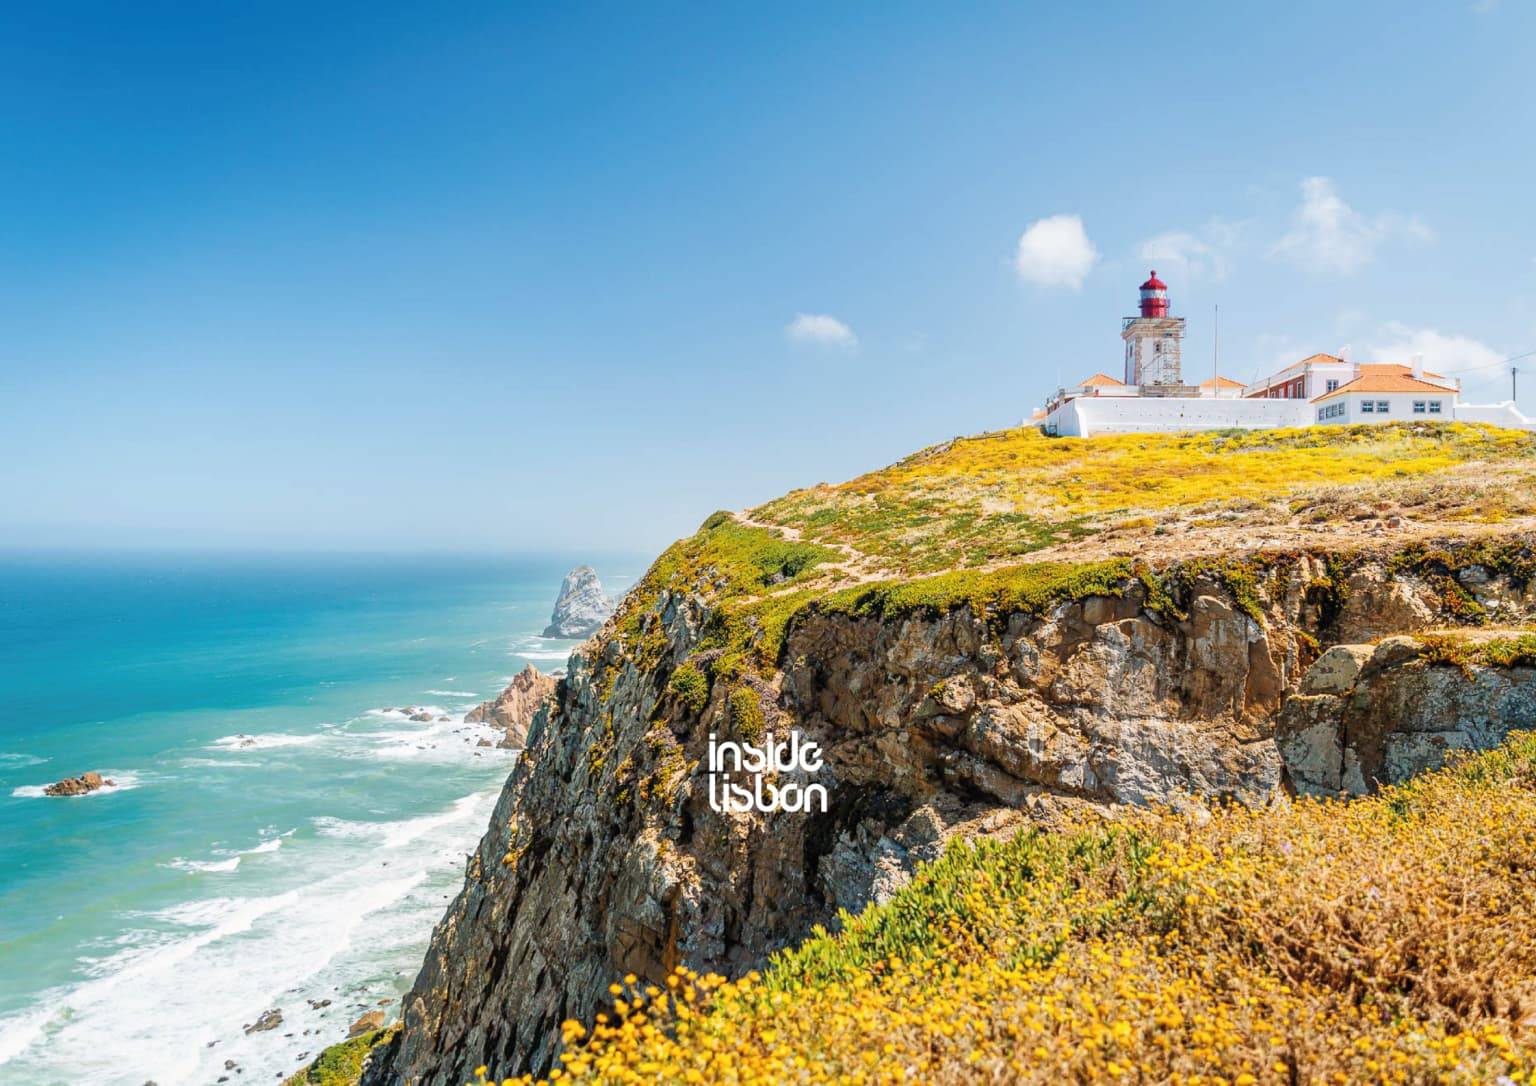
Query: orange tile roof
x=1221, y=382
x=1403, y=381
x=1392, y=368
x=1100, y=379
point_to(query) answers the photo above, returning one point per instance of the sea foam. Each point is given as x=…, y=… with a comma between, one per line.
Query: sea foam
x=241, y=741
x=207, y=967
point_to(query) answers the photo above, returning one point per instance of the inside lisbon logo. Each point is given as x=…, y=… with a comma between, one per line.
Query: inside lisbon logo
x=777, y=771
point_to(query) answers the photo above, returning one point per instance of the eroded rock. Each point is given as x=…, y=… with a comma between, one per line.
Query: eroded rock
x=1397, y=715
x=89, y=781
x=581, y=608
x=512, y=710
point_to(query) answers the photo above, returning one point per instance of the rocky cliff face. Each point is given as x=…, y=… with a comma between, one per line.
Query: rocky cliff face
x=605, y=856
x=581, y=608
x=514, y=708
x=1368, y=715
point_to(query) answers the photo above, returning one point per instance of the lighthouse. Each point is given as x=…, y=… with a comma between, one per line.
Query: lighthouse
x=1152, y=344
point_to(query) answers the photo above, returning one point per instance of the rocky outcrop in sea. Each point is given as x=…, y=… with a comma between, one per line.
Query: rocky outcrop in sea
x=78, y=786
x=513, y=709
x=581, y=608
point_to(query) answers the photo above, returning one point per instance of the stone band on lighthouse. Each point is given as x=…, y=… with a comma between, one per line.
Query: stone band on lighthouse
x=1152, y=344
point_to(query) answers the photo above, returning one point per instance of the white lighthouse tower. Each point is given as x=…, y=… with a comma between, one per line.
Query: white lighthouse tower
x=1152, y=345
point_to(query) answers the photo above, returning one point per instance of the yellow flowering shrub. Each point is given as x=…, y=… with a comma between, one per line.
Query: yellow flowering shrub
x=1386, y=940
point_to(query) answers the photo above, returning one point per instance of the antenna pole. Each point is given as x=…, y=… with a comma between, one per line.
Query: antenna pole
x=1216, y=356
x=1513, y=395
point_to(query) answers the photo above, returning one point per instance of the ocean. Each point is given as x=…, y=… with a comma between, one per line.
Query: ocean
x=275, y=838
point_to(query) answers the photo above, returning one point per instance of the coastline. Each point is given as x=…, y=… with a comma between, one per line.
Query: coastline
x=289, y=853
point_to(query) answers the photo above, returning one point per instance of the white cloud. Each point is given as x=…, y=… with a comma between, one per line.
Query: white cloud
x=1194, y=257
x=821, y=330
x=1056, y=252
x=1328, y=234
x=1445, y=354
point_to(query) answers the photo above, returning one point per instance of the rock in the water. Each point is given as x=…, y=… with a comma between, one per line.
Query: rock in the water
x=581, y=608
x=367, y=1023
x=512, y=710
x=268, y=1020
x=78, y=786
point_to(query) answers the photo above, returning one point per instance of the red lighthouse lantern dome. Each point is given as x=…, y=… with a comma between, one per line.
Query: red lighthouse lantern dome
x=1154, y=297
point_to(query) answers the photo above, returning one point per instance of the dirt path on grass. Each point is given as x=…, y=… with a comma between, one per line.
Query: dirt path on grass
x=1177, y=539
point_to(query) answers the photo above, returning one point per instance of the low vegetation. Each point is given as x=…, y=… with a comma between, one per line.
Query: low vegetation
x=1385, y=940
x=995, y=497
x=341, y=1064
x=1508, y=650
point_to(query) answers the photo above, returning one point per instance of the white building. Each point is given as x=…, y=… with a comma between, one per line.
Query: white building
x=1321, y=389
x=1379, y=392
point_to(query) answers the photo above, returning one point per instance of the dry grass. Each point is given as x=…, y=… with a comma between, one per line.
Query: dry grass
x=1389, y=940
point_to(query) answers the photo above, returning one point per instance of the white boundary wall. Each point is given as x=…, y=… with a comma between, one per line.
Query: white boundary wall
x=1088, y=416
x=1496, y=414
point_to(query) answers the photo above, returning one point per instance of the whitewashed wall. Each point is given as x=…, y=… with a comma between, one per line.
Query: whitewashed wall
x=1090, y=416
x=1497, y=414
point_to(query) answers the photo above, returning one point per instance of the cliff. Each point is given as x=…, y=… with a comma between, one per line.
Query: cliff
x=1000, y=632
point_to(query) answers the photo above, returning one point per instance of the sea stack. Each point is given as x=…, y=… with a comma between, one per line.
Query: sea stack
x=512, y=710
x=581, y=608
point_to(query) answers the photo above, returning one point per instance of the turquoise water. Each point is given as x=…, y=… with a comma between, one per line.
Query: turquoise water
x=274, y=839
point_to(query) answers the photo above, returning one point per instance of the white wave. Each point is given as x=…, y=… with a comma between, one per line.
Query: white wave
x=406, y=712
x=171, y=1007
x=218, y=763
x=447, y=741
x=453, y=693
x=21, y=761
x=121, y=782
x=197, y=866
x=544, y=654
x=402, y=832
x=241, y=741
x=230, y=859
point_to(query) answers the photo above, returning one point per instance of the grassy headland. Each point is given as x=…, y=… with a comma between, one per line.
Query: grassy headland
x=1017, y=520
x=981, y=500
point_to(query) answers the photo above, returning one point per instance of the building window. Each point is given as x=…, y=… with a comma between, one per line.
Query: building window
x=1332, y=384
x=1418, y=407
x=1383, y=407
x=1434, y=407
x=1367, y=407
x=1320, y=414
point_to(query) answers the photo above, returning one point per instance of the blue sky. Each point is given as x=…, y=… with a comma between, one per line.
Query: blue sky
x=494, y=276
